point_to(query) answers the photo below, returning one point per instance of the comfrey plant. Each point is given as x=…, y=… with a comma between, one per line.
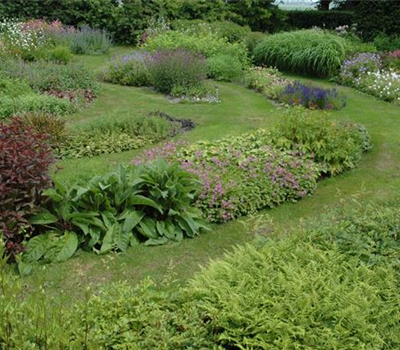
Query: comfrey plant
x=312, y=97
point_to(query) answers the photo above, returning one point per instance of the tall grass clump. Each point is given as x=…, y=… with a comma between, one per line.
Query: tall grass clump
x=313, y=52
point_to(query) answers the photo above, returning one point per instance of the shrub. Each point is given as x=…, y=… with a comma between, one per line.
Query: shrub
x=224, y=68
x=384, y=42
x=312, y=97
x=268, y=81
x=230, y=31
x=176, y=68
x=132, y=70
x=35, y=103
x=207, y=45
x=240, y=175
x=59, y=54
x=24, y=164
x=150, y=204
x=314, y=52
x=89, y=41
x=336, y=145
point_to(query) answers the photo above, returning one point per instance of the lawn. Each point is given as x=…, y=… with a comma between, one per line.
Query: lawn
x=376, y=177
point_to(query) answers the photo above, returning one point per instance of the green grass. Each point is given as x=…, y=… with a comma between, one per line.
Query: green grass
x=242, y=110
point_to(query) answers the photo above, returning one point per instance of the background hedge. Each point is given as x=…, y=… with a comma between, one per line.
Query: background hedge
x=325, y=19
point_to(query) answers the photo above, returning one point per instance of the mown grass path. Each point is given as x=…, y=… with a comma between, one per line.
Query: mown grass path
x=242, y=110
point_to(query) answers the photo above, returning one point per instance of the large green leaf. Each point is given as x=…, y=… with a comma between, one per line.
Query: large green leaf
x=141, y=200
x=147, y=228
x=44, y=217
x=132, y=218
x=36, y=247
x=109, y=239
x=66, y=246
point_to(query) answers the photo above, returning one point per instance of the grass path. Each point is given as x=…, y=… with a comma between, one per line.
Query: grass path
x=377, y=177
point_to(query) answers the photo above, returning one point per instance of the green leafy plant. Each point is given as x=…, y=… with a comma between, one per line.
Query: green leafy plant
x=224, y=68
x=335, y=145
x=115, y=134
x=150, y=204
x=207, y=44
x=35, y=103
x=14, y=88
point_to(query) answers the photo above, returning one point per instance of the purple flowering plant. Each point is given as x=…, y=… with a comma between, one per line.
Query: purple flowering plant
x=240, y=175
x=311, y=97
x=353, y=68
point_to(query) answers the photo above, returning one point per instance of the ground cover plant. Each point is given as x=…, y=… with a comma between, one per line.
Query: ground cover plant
x=331, y=286
x=313, y=52
x=108, y=135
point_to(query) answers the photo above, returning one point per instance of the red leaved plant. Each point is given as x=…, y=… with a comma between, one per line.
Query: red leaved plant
x=25, y=158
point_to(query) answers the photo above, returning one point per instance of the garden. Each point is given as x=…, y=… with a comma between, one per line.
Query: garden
x=208, y=175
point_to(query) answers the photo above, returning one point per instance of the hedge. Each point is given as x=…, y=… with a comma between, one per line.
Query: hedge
x=324, y=19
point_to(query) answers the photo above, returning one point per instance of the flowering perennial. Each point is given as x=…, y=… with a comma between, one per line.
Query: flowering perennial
x=240, y=175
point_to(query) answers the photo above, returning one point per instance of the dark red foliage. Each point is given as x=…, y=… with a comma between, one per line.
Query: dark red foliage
x=25, y=158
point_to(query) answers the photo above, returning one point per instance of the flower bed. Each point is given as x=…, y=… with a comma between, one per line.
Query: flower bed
x=241, y=175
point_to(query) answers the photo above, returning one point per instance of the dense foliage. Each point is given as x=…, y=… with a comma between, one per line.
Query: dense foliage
x=306, y=19
x=375, y=17
x=333, y=284
x=127, y=22
x=314, y=52
x=150, y=204
x=206, y=44
x=335, y=145
x=108, y=134
x=177, y=70
x=240, y=175
x=24, y=173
